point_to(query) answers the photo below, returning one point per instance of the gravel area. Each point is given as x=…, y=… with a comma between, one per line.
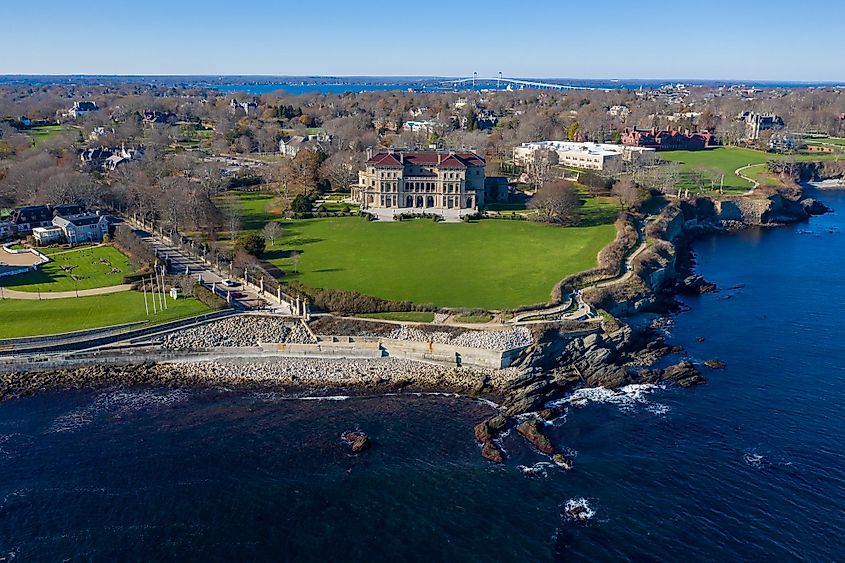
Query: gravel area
x=485, y=339
x=240, y=331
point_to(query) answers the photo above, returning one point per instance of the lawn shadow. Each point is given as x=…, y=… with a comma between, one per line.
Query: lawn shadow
x=33, y=277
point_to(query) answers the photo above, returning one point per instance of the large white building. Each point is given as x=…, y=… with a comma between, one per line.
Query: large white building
x=591, y=156
x=421, y=180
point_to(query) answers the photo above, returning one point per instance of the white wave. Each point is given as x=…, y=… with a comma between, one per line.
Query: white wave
x=536, y=470
x=578, y=510
x=629, y=398
x=325, y=398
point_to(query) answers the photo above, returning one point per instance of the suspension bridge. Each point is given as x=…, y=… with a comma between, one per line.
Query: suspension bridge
x=500, y=80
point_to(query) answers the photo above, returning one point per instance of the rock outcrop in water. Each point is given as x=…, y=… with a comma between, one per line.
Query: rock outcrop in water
x=358, y=441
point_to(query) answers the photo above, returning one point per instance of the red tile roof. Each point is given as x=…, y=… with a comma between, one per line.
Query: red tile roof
x=427, y=158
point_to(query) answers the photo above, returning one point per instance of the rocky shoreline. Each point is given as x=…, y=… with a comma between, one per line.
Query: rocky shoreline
x=286, y=374
x=558, y=359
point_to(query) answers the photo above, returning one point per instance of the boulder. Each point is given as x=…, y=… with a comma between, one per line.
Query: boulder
x=359, y=441
x=532, y=431
x=684, y=374
x=562, y=461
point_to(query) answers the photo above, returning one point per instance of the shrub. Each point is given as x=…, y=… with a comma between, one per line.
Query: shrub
x=300, y=204
x=251, y=243
x=208, y=298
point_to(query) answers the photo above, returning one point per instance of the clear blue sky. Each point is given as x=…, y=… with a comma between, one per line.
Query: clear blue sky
x=718, y=39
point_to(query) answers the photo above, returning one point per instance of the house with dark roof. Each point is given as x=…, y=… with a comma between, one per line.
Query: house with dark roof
x=80, y=108
x=153, y=117
x=88, y=227
x=27, y=218
x=95, y=158
x=421, y=180
x=7, y=229
x=67, y=209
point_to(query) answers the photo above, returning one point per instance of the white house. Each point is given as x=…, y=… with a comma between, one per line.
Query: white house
x=423, y=126
x=48, y=235
x=80, y=109
x=290, y=147
x=88, y=227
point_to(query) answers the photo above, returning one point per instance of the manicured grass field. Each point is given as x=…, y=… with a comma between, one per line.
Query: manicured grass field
x=19, y=317
x=760, y=173
x=256, y=209
x=86, y=266
x=46, y=132
x=826, y=141
x=719, y=161
x=489, y=264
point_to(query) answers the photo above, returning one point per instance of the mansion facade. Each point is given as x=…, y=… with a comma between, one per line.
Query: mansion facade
x=421, y=180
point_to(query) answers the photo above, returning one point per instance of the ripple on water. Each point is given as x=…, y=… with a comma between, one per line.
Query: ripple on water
x=117, y=403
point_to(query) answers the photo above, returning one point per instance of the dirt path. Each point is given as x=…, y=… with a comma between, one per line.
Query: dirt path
x=7, y=293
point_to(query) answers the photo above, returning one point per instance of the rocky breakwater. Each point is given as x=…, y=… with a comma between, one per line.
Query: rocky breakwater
x=284, y=373
x=238, y=331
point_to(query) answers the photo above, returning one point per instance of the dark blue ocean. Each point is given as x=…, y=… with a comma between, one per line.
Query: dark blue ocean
x=750, y=466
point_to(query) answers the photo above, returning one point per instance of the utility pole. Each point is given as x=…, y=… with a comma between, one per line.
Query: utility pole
x=153, y=289
x=146, y=305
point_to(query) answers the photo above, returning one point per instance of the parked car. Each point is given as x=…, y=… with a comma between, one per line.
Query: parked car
x=230, y=283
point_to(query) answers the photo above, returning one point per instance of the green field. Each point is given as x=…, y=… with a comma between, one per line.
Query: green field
x=826, y=141
x=19, y=317
x=86, y=267
x=717, y=162
x=46, y=132
x=489, y=264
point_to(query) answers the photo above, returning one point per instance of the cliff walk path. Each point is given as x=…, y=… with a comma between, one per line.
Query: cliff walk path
x=754, y=183
x=7, y=293
x=581, y=309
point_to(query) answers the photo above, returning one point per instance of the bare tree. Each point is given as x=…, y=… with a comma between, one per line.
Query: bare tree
x=540, y=167
x=272, y=231
x=231, y=209
x=626, y=190
x=294, y=261
x=557, y=202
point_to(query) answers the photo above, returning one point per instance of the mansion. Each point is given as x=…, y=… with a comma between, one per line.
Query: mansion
x=421, y=181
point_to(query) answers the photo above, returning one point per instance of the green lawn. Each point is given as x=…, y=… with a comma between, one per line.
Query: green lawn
x=826, y=141
x=255, y=209
x=53, y=316
x=46, y=132
x=86, y=266
x=760, y=173
x=489, y=264
x=722, y=160
x=410, y=316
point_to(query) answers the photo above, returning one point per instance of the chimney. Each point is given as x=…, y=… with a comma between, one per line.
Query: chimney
x=438, y=158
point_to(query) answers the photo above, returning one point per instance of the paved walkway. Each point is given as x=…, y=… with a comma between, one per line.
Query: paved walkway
x=754, y=183
x=7, y=293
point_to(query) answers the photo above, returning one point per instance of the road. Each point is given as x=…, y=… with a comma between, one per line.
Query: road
x=183, y=262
